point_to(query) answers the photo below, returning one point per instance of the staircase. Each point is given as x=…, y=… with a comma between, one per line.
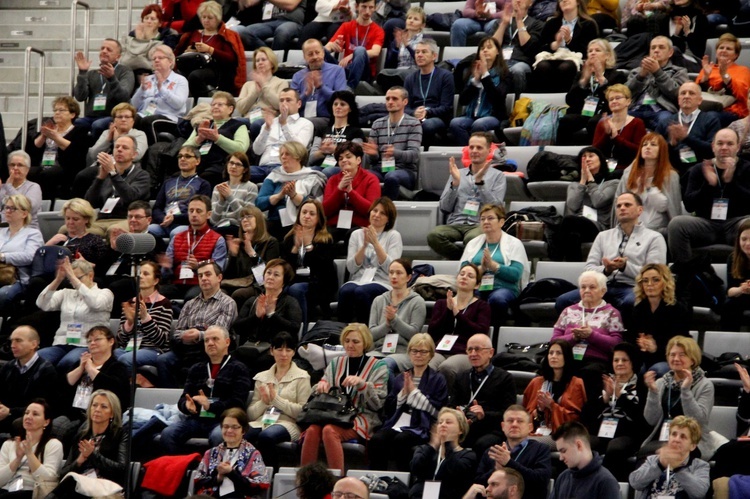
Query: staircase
x=45, y=25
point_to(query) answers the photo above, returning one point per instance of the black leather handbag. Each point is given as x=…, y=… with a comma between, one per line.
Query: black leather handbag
x=334, y=407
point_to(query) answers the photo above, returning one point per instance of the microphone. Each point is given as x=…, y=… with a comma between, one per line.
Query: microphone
x=135, y=244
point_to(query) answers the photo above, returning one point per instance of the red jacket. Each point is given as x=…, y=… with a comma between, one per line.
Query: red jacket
x=203, y=242
x=365, y=190
x=188, y=10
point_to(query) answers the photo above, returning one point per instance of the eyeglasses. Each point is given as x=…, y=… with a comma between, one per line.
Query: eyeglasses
x=234, y=427
x=11, y=209
x=136, y=217
x=219, y=104
x=616, y=98
x=185, y=156
x=61, y=110
x=488, y=219
x=158, y=58
x=476, y=349
x=97, y=339
x=17, y=166
x=247, y=217
x=418, y=352
x=235, y=163
x=345, y=495
x=124, y=117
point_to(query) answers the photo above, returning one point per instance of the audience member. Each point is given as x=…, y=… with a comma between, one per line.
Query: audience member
x=330, y=15
x=585, y=476
x=393, y=146
x=653, y=178
x=123, y=120
x=726, y=77
x=643, y=17
x=19, y=163
x=170, y=211
x=261, y=91
x=619, y=134
x=619, y=253
x=476, y=17
x=236, y=193
x=222, y=63
x=82, y=237
x=605, y=13
x=281, y=21
x=525, y=456
x=729, y=458
x=315, y=481
x=520, y=46
x=18, y=243
x=687, y=26
x=503, y=483
x=399, y=59
x=211, y=388
x=286, y=127
x=466, y=191
x=344, y=122
x=350, y=486
x=655, y=83
x=738, y=280
x=689, y=144
x=716, y=192
x=211, y=307
x=146, y=35
x=101, y=90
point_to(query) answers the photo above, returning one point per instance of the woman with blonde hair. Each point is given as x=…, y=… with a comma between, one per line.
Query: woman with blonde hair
x=652, y=177
x=18, y=243
x=364, y=379
x=262, y=91
x=657, y=315
x=618, y=134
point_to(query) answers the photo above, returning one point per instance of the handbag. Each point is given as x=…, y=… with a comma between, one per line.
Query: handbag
x=8, y=274
x=334, y=407
x=192, y=61
x=42, y=488
x=534, y=352
x=720, y=96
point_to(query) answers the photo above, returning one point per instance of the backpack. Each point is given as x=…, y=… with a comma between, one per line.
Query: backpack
x=423, y=270
x=46, y=259
x=545, y=290
x=521, y=110
x=443, y=21
x=540, y=128
x=546, y=165
x=696, y=283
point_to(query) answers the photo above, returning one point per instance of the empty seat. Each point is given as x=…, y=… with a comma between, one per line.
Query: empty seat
x=294, y=58
x=416, y=220
x=549, y=190
x=522, y=155
x=718, y=342
x=724, y=420
x=434, y=170
x=522, y=335
x=545, y=313
x=451, y=53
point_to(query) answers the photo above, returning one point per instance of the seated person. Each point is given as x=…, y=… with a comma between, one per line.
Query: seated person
x=123, y=120
x=476, y=17
x=279, y=394
x=281, y=21
x=399, y=59
x=519, y=33
x=689, y=475
x=729, y=458
x=262, y=91
x=728, y=76
x=605, y=13
x=224, y=379
x=18, y=166
x=81, y=308
x=18, y=244
x=232, y=196
x=263, y=317
x=503, y=483
x=170, y=211
x=638, y=16
x=413, y=403
x=527, y=456
x=618, y=134
x=219, y=137
x=344, y=123
x=360, y=41
x=330, y=15
x=738, y=280
x=79, y=234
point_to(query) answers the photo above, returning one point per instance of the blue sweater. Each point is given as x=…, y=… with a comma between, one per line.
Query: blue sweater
x=178, y=189
x=435, y=92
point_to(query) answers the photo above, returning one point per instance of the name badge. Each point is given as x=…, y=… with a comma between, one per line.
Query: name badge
x=648, y=100
x=174, y=209
x=329, y=161
x=580, y=350
x=612, y=164
x=446, y=342
x=73, y=334
x=431, y=490
x=589, y=106
x=608, y=428
x=255, y=115
x=720, y=209
x=186, y=272
x=488, y=282
x=15, y=484
x=110, y=204
x=590, y=213
x=345, y=219
x=134, y=343
x=368, y=275
x=267, y=11
x=471, y=207
x=390, y=343
x=270, y=417
x=507, y=53
x=205, y=413
x=48, y=158
x=490, y=8
x=83, y=395
x=302, y=272
x=91, y=473
x=664, y=433
x=404, y=421
x=286, y=217
x=113, y=268
x=205, y=147
x=100, y=102
x=311, y=109
x=381, y=9
x=150, y=109
x=388, y=165
x=259, y=272
x=543, y=431
x=687, y=155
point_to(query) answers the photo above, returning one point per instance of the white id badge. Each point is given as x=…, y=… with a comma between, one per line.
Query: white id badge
x=113, y=268
x=368, y=275
x=186, y=272
x=720, y=209
x=488, y=282
x=311, y=109
x=286, y=217
x=579, y=350
x=664, y=497
x=345, y=219
x=608, y=428
x=403, y=421
x=544, y=431
x=490, y=8
x=302, y=272
x=390, y=343
x=226, y=488
x=648, y=100
x=100, y=102
x=259, y=272
x=255, y=115
x=48, y=158
x=687, y=155
x=267, y=11
x=92, y=473
x=83, y=395
x=73, y=334
x=507, y=53
x=664, y=433
x=388, y=165
x=110, y=204
x=134, y=343
x=381, y=8
x=150, y=109
x=431, y=490
x=329, y=161
x=205, y=147
x=471, y=207
x=589, y=106
x=590, y=213
x=173, y=209
x=15, y=484
x=270, y=416
x=447, y=342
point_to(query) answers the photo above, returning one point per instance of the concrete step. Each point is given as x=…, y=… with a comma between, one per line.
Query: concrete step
x=65, y=4
x=57, y=31
x=24, y=19
x=13, y=104
x=51, y=75
x=50, y=88
x=53, y=58
x=54, y=44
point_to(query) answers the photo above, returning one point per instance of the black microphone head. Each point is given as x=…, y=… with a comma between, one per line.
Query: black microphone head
x=135, y=244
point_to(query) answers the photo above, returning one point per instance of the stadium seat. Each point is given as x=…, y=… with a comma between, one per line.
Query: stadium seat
x=416, y=220
x=545, y=313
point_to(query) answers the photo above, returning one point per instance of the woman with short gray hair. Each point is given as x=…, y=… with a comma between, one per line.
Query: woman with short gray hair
x=19, y=163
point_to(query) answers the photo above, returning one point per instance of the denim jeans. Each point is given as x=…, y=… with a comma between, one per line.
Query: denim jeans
x=282, y=31
x=621, y=297
x=650, y=117
x=64, y=357
x=519, y=71
x=170, y=231
x=143, y=357
x=393, y=180
x=462, y=127
x=258, y=173
x=299, y=291
x=174, y=436
x=97, y=126
x=358, y=69
x=462, y=28
x=355, y=301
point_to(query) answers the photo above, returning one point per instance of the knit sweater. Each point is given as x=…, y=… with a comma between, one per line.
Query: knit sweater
x=644, y=246
x=154, y=332
x=691, y=480
x=87, y=306
x=593, y=480
x=405, y=137
x=605, y=323
x=438, y=97
x=390, y=240
x=49, y=470
x=410, y=317
x=292, y=392
x=91, y=83
x=134, y=186
x=18, y=390
x=227, y=210
x=598, y=196
x=423, y=403
x=365, y=188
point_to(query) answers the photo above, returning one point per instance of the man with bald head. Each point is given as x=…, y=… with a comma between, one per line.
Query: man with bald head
x=689, y=131
x=483, y=392
x=25, y=378
x=350, y=488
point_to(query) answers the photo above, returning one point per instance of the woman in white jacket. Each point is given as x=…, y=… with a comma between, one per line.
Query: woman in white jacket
x=502, y=259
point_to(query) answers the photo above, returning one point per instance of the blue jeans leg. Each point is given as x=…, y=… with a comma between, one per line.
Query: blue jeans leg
x=359, y=68
x=85, y=122
x=461, y=29
x=258, y=173
x=430, y=128
x=299, y=291
x=55, y=353
x=174, y=436
x=519, y=71
x=355, y=301
x=8, y=294
x=567, y=299
x=284, y=35
x=100, y=126
x=621, y=297
x=459, y=129
x=157, y=230
x=166, y=363
x=254, y=36
x=393, y=180
x=660, y=368
x=143, y=357
x=71, y=359
x=500, y=300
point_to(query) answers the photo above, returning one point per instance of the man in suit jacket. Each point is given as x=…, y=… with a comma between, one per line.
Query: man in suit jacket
x=689, y=131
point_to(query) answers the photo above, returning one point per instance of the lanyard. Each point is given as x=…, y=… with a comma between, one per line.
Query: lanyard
x=440, y=459
x=669, y=402
x=523, y=446
x=356, y=36
x=177, y=183
x=210, y=381
x=510, y=30
x=476, y=392
x=390, y=135
x=583, y=311
x=718, y=179
x=339, y=133
x=692, y=122
x=594, y=84
x=429, y=84
x=191, y=247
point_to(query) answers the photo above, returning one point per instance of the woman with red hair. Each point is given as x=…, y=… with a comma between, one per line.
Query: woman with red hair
x=149, y=33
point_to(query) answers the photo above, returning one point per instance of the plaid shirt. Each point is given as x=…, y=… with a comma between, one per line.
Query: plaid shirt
x=199, y=313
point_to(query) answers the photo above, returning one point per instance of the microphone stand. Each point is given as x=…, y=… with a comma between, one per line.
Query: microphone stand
x=135, y=263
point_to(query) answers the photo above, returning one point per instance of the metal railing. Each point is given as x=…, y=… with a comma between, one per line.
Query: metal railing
x=86, y=29
x=128, y=16
x=26, y=81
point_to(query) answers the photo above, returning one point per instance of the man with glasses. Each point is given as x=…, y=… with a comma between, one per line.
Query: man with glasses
x=350, y=488
x=102, y=89
x=465, y=193
x=216, y=139
x=483, y=392
x=210, y=388
x=19, y=163
x=210, y=307
x=171, y=207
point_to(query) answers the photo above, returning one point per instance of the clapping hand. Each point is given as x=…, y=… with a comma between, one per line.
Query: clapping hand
x=408, y=383
x=650, y=380
x=744, y=377
x=500, y=454
x=646, y=343
x=260, y=306
x=450, y=302
x=390, y=313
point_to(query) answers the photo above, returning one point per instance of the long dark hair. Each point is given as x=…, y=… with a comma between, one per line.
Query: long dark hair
x=348, y=97
x=47, y=432
x=548, y=373
x=500, y=65
x=740, y=261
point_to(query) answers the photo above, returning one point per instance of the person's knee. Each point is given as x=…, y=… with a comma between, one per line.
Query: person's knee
x=330, y=434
